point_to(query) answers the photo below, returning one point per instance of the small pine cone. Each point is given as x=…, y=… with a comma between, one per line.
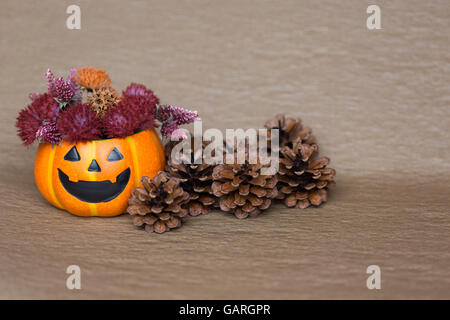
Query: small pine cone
x=158, y=207
x=196, y=179
x=303, y=180
x=102, y=99
x=290, y=130
x=242, y=189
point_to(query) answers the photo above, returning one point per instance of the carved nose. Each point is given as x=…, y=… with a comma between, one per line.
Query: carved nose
x=94, y=167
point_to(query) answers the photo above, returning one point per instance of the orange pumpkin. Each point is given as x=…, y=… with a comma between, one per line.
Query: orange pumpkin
x=95, y=178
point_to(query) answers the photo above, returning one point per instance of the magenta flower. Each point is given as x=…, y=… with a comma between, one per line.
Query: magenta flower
x=65, y=92
x=48, y=133
x=141, y=103
x=171, y=117
x=144, y=95
x=171, y=129
x=79, y=123
x=123, y=120
x=43, y=110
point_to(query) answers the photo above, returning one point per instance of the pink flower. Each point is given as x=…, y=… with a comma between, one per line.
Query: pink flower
x=64, y=91
x=48, y=133
x=171, y=117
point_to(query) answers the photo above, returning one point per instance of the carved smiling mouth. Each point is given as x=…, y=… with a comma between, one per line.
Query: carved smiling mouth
x=95, y=191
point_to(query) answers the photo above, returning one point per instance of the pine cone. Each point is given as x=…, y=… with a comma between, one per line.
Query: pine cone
x=242, y=189
x=159, y=205
x=290, y=130
x=302, y=179
x=196, y=179
x=103, y=98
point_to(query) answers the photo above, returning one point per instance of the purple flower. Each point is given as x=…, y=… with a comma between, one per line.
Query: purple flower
x=44, y=109
x=175, y=114
x=171, y=129
x=65, y=92
x=171, y=117
x=47, y=132
x=140, y=92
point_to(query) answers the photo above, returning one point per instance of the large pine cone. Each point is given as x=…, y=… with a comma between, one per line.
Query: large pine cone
x=196, y=179
x=290, y=130
x=159, y=206
x=303, y=179
x=242, y=189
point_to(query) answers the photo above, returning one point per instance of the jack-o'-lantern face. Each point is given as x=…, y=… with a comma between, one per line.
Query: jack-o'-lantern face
x=96, y=177
x=95, y=191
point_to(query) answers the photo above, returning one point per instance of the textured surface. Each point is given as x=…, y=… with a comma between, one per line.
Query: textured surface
x=378, y=101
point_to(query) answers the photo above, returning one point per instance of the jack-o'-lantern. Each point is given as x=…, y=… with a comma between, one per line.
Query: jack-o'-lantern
x=95, y=178
x=96, y=144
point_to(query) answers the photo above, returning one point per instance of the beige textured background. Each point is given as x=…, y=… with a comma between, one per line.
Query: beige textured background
x=377, y=100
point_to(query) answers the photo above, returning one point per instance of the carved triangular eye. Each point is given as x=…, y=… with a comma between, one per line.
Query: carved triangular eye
x=72, y=155
x=115, y=155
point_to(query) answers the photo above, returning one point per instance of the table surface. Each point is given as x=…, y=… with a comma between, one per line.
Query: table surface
x=378, y=101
